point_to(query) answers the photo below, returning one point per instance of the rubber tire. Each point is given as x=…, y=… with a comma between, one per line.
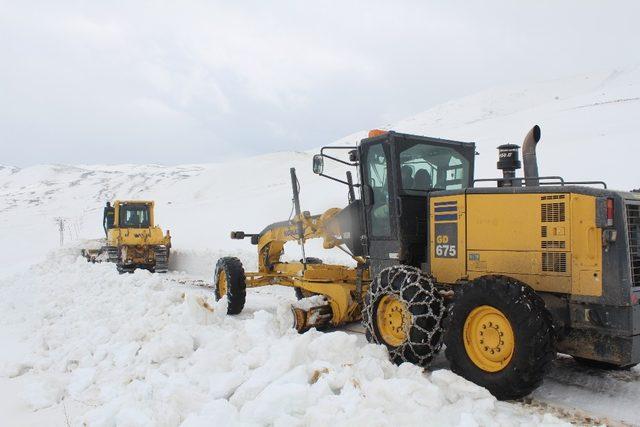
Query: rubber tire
x=597, y=364
x=533, y=330
x=301, y=293
x=424, y=302
x=236, y=283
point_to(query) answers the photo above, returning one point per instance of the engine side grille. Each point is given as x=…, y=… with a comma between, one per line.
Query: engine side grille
x=555, y=262
x=553, y=244
x=633, y=224
x=553, y=212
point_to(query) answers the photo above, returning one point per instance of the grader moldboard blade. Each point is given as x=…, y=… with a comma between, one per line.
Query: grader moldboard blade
x=312, y=312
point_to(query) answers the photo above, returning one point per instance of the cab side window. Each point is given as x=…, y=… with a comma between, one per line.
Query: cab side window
x=377, y=179
x=425, y=167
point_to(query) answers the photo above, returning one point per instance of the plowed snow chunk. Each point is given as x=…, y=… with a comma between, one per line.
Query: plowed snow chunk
x=43, y=392
x=172, y=342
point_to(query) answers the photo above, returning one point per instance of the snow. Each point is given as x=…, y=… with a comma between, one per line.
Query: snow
x=82, y=344
x=137, y=350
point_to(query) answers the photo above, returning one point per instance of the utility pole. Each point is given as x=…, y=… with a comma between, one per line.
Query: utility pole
x=61, y=226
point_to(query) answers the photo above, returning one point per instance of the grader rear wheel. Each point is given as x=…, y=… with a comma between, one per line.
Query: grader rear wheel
x=229, y=279
x=488, y=338
x=500, y=336
x=403, y=310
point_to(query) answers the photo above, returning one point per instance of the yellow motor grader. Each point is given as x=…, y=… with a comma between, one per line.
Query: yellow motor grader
x=505, y=271
x=132, y=238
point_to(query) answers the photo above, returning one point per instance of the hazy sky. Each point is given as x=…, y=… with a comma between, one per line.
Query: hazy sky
x=202, y=81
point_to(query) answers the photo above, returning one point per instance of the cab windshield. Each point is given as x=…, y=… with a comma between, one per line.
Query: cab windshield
x=425, y=167
x=134, y=216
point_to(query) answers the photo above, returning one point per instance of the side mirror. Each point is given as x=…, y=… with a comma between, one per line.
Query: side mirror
x=367, y=195
x=353, y=156
x=318, y=164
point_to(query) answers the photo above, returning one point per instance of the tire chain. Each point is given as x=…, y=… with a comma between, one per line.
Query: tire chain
x=426, y=306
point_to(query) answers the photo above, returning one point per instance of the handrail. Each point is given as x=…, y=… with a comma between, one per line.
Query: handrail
x=560, y=181
x=604, y=184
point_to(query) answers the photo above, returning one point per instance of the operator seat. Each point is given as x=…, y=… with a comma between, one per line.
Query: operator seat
x=407, y=177
x=422, y=180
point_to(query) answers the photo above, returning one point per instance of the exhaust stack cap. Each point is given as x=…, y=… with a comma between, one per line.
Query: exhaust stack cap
x=529, y=157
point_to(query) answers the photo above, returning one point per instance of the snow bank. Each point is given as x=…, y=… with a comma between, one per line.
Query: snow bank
x=138, y=349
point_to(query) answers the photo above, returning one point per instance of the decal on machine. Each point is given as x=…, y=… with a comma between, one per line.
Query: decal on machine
x=446, y=233
x=447, y=240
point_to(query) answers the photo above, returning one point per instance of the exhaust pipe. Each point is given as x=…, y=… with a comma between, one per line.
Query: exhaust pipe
x=529, y=157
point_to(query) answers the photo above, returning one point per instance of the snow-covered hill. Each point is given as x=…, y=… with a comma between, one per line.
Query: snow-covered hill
x=589, y=126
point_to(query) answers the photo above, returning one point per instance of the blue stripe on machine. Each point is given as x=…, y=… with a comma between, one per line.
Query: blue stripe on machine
x=449, y=217
x=446, y=208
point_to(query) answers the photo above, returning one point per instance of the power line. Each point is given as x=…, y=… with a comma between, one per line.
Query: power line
x=62, y=222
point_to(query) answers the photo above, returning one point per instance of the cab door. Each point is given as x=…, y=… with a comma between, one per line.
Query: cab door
x=380, y=208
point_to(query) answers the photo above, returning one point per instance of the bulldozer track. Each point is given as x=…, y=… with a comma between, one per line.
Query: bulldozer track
x=162, y=259
x=112, y=254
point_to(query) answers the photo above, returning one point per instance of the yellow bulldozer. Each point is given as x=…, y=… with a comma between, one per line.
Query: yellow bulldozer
x=132, y=238
x=506, y=272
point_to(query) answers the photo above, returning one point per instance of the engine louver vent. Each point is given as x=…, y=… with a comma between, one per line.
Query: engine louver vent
x=554, y=262
x=553, y=240
x=553, y=212
x=553, y=244
x=633, y=224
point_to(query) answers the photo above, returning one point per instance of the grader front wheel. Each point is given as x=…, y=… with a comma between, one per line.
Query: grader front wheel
x=403, y=310
x=393, y=320
x=229, y=279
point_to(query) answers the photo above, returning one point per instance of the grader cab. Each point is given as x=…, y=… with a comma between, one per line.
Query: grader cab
x=505, y=271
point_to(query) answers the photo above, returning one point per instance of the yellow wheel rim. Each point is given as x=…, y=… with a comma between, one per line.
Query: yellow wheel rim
x=393, y=320
x=222, y=284
x=488, y=338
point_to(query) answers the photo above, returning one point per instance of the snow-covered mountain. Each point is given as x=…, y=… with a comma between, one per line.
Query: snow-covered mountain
x=589, y=131
x=589, y=127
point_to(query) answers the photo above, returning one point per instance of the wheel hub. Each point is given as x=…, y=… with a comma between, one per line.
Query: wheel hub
x=488, y=338
x=393, y=319
x=222, y=284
